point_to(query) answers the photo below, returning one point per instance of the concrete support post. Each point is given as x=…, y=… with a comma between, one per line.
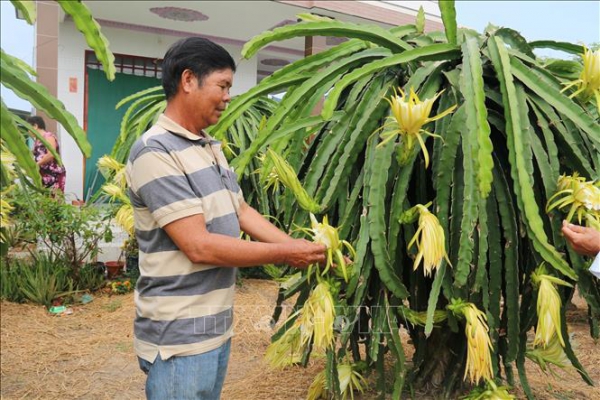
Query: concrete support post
x=46, y=52
x=314, y=45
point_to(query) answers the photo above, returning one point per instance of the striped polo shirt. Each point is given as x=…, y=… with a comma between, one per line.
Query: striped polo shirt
x=182, y=308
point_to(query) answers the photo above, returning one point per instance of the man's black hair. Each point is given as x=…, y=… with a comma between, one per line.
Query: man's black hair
x=37, y=120
x=199, y=55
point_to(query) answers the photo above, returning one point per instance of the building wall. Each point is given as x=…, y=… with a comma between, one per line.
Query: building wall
x=71, y=66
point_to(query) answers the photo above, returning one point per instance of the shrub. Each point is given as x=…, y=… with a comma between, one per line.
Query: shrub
x=69, y=232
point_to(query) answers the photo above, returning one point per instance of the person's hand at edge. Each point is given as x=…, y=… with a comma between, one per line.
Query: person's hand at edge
x=585, y=241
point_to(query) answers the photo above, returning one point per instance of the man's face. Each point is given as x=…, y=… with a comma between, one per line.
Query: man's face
x=210, y=97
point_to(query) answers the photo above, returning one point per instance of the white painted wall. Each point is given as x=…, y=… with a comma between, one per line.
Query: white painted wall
x=71, y=64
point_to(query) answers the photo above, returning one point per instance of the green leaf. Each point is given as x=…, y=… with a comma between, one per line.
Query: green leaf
x=308, y=17
x=569, y=348
x=541, y=84
x=508, y=219
x=287, y=76
x=433, y=298
x=295, y=126
x=470, y=202
x=27, y=9
x=449, y=18
x=564, y=68
x=135, y=122
x=16, y=80
x=421, y=74
x=376, y=216
x=563, y=46
x=495, y=270
x=86, y=24
x=397, y=204
x=472, y=87
x=17, y=146
x=371, y=33
x=139, y=94
x=17, y=62
x=574, y=149
x=443, y=183
x=420, y=20
x=244, y=101
x=403, y=30
x=362, y=122
x=517, y=142
x=549, y=141
x=481, y=275
x=321, y=80
x=395, y=345
x=433, y=52
x=515, y=40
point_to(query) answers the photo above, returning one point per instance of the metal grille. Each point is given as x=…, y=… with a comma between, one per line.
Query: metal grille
x=130, y=65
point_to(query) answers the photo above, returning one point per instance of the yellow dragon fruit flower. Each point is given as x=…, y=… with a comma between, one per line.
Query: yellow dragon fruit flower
x=583, y=197
x=548, y=307
x=287, y=350
x=430, y=240
x=479, y=344
x=270, y=179
x=491, y=391
x=317, y=317
x=113, y=170
x=5, y=210
x=552, y=353
x=8, y=161
x=588, y=84
x=566, y=181
x=325, y=234
x=350, y=380
x=284, y=173
x=420, y=317
x=124, y=217
x=114, y=191
x=410, y=114
x=107, y=165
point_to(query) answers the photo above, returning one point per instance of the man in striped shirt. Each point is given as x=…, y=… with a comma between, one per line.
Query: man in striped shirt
x=189, y=211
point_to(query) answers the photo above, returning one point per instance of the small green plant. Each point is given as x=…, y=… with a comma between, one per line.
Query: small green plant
x=69, y=233
x=10, y=282
x=113, y=305
x=91, y=277
x=45, y=279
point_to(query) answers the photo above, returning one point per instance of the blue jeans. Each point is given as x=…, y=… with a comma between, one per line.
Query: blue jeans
x=198, y=377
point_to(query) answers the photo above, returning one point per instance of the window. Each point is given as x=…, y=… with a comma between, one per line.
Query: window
x=130, y=65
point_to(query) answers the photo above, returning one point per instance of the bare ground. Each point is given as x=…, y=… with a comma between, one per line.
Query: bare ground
x=89, y=354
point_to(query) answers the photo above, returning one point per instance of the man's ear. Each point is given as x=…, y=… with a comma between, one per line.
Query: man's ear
x=188, y=81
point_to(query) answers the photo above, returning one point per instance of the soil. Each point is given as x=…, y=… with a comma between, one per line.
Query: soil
x=89, y=355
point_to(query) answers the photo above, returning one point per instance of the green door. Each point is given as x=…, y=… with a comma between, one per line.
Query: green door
x=103, y=121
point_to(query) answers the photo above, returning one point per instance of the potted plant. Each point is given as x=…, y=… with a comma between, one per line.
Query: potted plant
x=114, y=268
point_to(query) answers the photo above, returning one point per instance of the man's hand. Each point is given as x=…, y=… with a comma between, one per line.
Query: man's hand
x=302, y=253
x=585, y=241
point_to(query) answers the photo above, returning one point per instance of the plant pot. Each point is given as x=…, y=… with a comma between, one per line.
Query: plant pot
x=78, y=203
x=113, y=268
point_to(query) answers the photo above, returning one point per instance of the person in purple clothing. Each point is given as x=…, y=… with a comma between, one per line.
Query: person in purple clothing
x=53, y=175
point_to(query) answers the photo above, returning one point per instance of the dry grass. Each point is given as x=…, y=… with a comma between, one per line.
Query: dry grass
x=89, y=355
